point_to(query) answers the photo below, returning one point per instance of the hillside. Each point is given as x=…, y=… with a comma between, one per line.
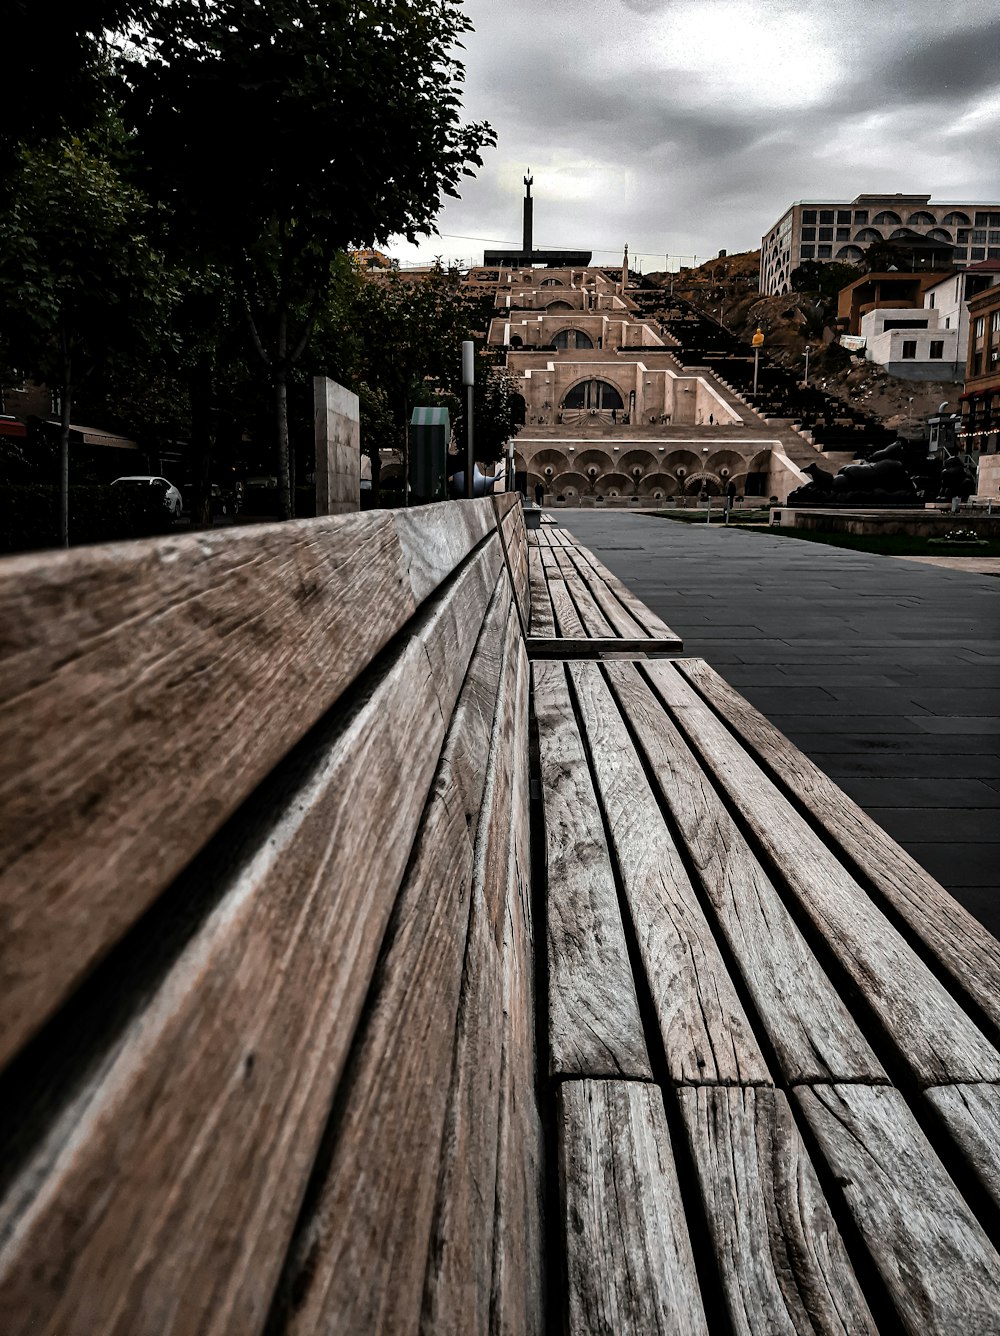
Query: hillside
x=726, y=289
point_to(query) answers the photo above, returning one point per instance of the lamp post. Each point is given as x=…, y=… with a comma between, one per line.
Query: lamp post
x=808, y=350
x=757, y=341
x=469, y=380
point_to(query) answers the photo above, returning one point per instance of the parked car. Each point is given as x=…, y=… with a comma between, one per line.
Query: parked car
x=171, y=494
x=226, y=499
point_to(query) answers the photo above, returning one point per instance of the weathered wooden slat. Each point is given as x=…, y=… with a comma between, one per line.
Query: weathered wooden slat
x=811, y=1031
x=783, y=1264
x=359, y=1257
x=170, y=646
x=568, y=621
x=705, y=1031
x=971, y=1114
x=517, y=1300
x=594, y=1024
x=574, y=647
x=966, y=951
x=511, y=523
x=622, y=622
x=594, y=621
x=653, y=625
x=175, y=1171
x=629, y=1265
x=940, y=1269
x=458, y=1280
x=543, y=622
x=930, y=1032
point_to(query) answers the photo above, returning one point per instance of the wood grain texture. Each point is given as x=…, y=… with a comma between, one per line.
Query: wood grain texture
x=621, y=621
x=542, y=619
x=359, y=1258
x=941, y=1270
x=510, y=520
x=593, y=619
x=176, y=1177
x=705, y=1031
x=811, y=1031
x=783, y=1264
x=971, y=1114
x=594, y=1025
x=653, y=625
x=517, y=1299
x=964, y=948
x=112, y=655
x=575, y=647
x=629, y=1266
x=930, y=1032
x=568, y=621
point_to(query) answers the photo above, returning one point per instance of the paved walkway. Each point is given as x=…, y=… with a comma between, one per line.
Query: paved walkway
x=885, y=671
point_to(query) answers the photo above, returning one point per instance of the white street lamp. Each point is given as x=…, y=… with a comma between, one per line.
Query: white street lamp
x=757, y=341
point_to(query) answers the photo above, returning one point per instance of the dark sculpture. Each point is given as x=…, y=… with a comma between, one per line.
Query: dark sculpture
x=899, y=474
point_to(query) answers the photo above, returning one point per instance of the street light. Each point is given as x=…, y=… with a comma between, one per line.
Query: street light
x=808, y=350
x=757, y=341
x=468, y=380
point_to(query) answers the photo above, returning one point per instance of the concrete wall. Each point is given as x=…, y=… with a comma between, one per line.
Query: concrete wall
x=989, y=476
x=338, y=448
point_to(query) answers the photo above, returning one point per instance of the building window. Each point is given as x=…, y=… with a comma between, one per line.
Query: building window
x=807, y=252
x=887, y=217
x=978, y=253
x=979, y=326
x=843, y=234
x=947, y=322
x=979, y=238
x=963, y=234
x=931, y=298
x=809, y=234
x=860, y=217
x=937, y=348
x=909, y=349
x=995, y=321
x=988, y=220
x=977, y=364
x=993, y=253
x=826, y=234
x=844, y=216
x=826, y=215
x=593, y=394
x=824, y=252
x=808, y=215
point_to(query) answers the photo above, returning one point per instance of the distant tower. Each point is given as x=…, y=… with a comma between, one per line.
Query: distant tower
x=625, y=270
x=528, y=204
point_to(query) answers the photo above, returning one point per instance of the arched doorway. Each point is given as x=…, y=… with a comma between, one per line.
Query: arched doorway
x=572, y=338
x=593, y=394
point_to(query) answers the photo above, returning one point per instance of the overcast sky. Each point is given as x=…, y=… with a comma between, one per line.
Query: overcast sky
x=685, y=126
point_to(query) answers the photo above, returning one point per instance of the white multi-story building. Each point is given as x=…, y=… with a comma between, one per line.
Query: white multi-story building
x=843, y=230
x=912, y=343
x=950, y=298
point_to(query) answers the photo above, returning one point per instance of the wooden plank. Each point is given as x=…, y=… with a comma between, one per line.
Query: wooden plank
x=966, y=951
x=517, y=1301
x=971, y=1114
x=576, y=646
x=594, y=1025
x=629, y=1264
x=621, y=621
x=784, y=1268
x=933, y=1256
x=930, y=1032
x=594, y=621
x=653, y=625
x=359, y=1256
x=705, y=1031
x=811, y=1031
x=511, y=523
x=543, y=622
x=175, y=1168
x=171, y=645
x=568, y=621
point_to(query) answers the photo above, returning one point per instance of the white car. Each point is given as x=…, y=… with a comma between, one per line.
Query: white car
x=171, y=495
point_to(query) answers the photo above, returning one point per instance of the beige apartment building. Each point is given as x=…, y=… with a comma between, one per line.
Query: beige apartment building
x=827, y=230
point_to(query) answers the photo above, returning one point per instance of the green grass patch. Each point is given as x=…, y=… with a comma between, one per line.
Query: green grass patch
x=889, y=545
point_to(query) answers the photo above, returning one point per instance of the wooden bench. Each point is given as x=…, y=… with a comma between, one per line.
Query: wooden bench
x=366, y=967
x=579, y=607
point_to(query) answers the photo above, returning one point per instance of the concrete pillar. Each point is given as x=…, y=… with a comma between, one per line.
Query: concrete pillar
x=338, y=448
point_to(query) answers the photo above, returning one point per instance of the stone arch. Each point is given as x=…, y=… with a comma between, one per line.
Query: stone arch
x=552, y=283
x=559, y=306
x=869, y=234
x=939, y=234
x=887, y=219
x=615, y=484
x=592, y=392
x=957, y=219
x=664, y=483
x=594, y=457
x=644, y=460
x=516, y=341
x=850, y=254
x=921, y=219
x=548, y=463
x=572, y=338
x=571, y=483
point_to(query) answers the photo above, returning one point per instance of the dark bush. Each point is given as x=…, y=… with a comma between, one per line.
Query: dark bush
x=29, y=515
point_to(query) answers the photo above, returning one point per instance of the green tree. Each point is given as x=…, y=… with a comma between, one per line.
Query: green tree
x=81, y=284
x=284, y=131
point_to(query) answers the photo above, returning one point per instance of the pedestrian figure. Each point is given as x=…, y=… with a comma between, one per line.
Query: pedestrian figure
x=614, y=415
x=711, y=419
x=539, y=493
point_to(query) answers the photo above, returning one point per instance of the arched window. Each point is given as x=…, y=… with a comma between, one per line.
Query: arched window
x=593, y=394
x=921, y=219
x=558, y=283
x=572, y=338
x=938, y=234
x=868, y=234
x=850, y=254
x=957, y=220
x=559, y=306
x=887, y=217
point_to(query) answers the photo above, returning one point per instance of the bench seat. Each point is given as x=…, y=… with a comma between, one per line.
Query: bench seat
x=579, y=607
x=372, y=962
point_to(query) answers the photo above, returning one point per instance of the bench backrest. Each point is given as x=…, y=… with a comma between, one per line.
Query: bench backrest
x=263, y=803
